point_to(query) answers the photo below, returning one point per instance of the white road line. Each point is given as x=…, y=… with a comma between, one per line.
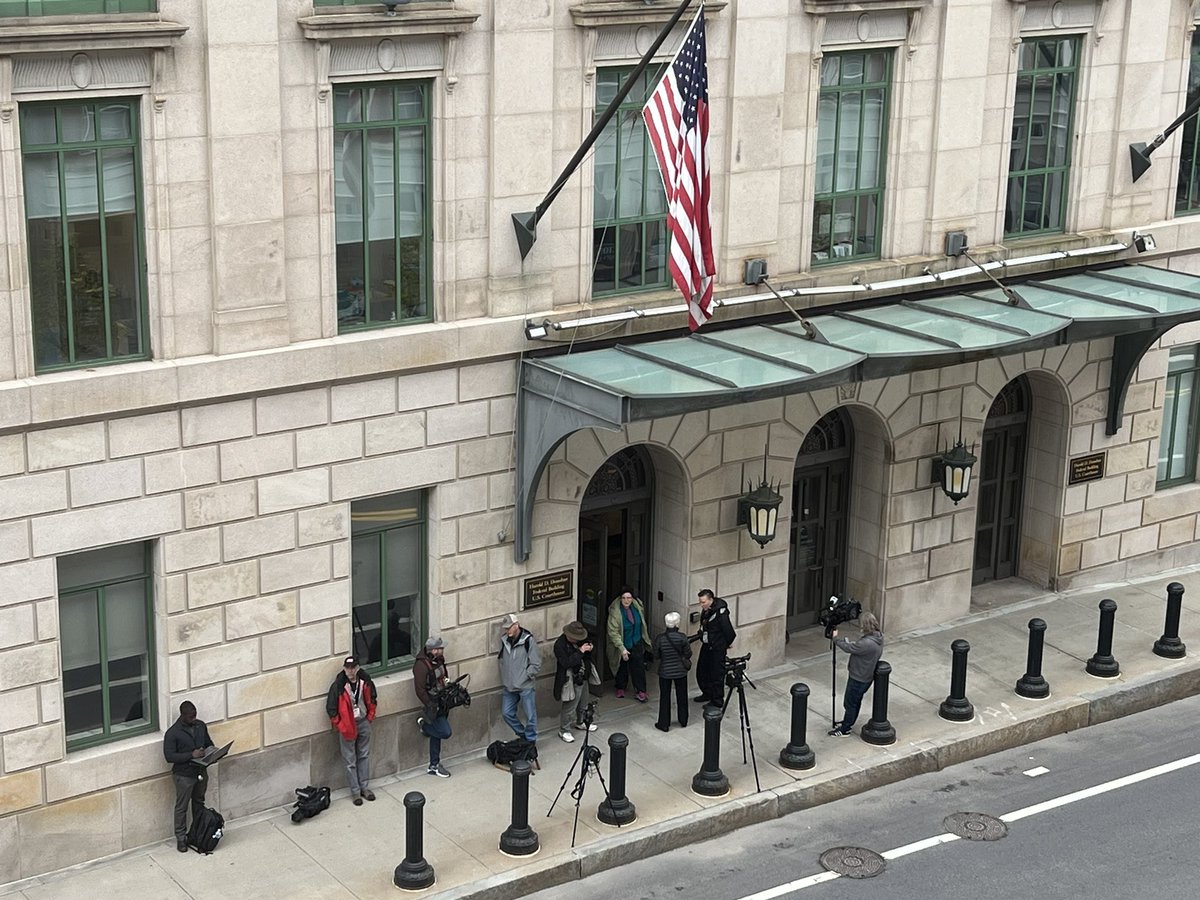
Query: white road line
x=939, y=839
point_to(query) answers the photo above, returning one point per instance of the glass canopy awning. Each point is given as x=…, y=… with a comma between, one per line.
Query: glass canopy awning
x=613, y=386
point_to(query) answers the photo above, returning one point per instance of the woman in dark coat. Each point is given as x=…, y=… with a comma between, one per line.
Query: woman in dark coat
x=674, y=654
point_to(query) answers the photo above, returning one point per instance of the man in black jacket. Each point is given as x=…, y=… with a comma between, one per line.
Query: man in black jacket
x=715, y=635
x=184, y=741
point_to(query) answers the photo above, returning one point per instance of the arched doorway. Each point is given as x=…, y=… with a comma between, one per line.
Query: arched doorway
x=820, y=518
x=1001, y=484
x=614, y=536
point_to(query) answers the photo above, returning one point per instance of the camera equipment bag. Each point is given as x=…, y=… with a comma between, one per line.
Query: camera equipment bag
x=206, y=831
x=310, y=801
x=503, y=753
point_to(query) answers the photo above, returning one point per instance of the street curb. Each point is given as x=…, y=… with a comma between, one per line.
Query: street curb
x=620, y=849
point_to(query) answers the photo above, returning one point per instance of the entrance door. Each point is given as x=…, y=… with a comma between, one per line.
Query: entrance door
x=1000, y=486
x=819, y=501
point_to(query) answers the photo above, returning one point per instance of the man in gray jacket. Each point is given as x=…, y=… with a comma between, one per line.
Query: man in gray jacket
x=864, y=654
x=520, y=662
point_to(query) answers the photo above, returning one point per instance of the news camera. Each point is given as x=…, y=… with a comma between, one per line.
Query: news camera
x=837, y=612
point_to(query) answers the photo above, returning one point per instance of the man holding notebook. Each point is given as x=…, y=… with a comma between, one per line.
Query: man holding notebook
x=185, y=741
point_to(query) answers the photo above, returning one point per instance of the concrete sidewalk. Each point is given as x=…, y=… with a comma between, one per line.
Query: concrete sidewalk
x=352, y=851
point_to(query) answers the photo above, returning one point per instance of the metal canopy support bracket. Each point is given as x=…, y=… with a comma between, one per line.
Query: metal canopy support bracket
x=550, y=408
x=1128, y=350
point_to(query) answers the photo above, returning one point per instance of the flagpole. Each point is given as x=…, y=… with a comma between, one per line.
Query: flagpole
x=525, y=224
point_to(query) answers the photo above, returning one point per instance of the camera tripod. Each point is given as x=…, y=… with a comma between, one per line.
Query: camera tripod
x=736, y=680
x=591, y=762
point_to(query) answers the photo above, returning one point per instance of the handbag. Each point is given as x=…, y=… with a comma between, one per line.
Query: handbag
x=568, y=689
x=594, y=674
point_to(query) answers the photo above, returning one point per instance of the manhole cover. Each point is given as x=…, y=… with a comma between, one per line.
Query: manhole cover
x=975, y=826
x=853, y=862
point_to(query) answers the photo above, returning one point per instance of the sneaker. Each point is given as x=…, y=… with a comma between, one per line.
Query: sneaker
x=579, y=726
x=837, y=732
x=369, y=795
x=357, y=800
x=567, y=737
x=421, y=722
x=620, y=694
x=439, y=770
x=641, y=696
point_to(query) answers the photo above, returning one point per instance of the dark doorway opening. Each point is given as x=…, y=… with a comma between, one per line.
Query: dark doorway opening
x=1000, y=485
x=820, y=517
x=614, y=539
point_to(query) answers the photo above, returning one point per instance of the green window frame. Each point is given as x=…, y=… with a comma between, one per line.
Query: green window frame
x=74, y=7
x=1187, y=192
x=1178, y=445
x=1039, y=162
x=852, y=123
x=630, y=243
x=106, y=644
x=389, y=601
x=87, y=269
x=381, y=142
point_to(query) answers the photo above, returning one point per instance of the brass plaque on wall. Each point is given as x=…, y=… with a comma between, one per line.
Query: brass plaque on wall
x=552, y=588
x=1086, y=468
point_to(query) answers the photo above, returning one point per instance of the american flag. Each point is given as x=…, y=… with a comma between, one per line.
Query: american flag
x=677, y=121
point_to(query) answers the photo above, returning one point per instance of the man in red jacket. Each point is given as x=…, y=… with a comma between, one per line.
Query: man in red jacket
x=351, y=709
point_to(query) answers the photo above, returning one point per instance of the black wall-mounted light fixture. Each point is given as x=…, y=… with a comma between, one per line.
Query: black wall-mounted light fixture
x=758, y=510
x=952, y=467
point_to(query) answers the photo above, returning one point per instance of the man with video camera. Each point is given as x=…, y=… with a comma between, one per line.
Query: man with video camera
x=716, y=634
x=429, y=681
x=864, y=654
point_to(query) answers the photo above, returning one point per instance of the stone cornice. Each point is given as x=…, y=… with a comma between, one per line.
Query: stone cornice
x=633, y=12
x=410, y=19
x=832, y=7
x=86, y=33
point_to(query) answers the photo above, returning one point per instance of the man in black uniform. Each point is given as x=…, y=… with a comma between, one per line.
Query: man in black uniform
x=715, y=635
x=184, y=741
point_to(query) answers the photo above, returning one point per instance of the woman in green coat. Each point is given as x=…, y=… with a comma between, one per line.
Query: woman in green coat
x=628, y=641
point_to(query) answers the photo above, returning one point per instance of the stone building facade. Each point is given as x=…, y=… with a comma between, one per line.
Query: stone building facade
x=247, y=471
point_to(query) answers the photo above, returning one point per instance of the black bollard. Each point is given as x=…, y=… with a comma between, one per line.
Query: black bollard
x=1104, y=664
x=956, y=707
x=1169, y=645
x=797, y=754
x=710, y=781
x=414, y=874
x=879, y=730
x=1032, y=685
x=518, y=838
x=617, y=808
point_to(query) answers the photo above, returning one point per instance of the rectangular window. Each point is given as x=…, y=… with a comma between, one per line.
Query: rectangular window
x=83, y=219
x=74, y=7
x=852, y=112
x=105, y=618
x=1177, y=445
x=380, y=178
x=1187, y=194
x=629, y=238
x=1040, y=155
x=388, y=618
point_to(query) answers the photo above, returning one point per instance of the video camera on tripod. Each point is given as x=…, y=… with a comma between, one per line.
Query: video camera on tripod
x=837, y=612
x=735, y=670
x=451, y=695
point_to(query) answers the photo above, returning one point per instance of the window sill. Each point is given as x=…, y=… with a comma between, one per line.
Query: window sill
x=828, y=7
x=599, y=13
x=410, y=19
x=76, y=33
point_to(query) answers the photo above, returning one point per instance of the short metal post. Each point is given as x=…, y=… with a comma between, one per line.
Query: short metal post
x=710, y=781
x=617, y=808
x=519, y=839
x=1169, y=645
x=1032, y=685
x=1104, y=664
x=797, y=754
x=956, y=707
x=879, y=730
x=414, y=874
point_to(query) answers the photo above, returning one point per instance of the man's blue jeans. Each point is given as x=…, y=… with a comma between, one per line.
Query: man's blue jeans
x=853, y=701
x=437, y=730
x=508, y=710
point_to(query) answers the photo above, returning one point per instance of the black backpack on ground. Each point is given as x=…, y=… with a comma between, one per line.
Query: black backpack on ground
x=206, y=830
x=310, y=801
x=503, y=753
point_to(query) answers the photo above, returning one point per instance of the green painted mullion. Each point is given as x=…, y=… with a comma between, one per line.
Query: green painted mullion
x=397, y=308
x=104, y=267
x=1172, y=390
x=385, y=653
x=364, y=148
x=66, y=243
x=102, y=624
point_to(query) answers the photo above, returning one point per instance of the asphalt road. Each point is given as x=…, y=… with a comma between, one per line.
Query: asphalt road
x=1126, y=841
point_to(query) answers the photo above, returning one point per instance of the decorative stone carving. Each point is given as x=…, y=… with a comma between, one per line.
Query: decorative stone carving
x=609, y=13
x=82, y=71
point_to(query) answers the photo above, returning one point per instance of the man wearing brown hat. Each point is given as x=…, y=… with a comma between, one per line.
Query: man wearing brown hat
x=351, y=710
x=429, y=673
x=573, y=653
x=520, y=661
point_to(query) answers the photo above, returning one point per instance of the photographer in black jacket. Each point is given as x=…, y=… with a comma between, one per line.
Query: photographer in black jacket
x=716, y=634
x=573, y=658
x=184, y=741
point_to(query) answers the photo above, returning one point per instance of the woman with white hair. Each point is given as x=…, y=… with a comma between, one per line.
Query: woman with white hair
x=864, y=654
x=674, y=654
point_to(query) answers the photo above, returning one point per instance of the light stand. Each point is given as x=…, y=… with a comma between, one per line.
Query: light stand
x=736, y=679
x=591, y=762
